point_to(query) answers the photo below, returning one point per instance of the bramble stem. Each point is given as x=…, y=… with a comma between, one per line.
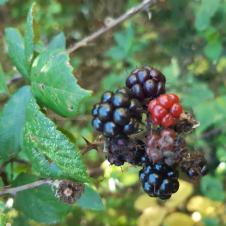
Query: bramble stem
x=113, y=23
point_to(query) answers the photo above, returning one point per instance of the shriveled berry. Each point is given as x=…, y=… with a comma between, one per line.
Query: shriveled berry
x=123, y=149
x=164, y=147
x=194, y=164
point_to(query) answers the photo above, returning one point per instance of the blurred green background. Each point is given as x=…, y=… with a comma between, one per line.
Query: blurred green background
x=186, y=40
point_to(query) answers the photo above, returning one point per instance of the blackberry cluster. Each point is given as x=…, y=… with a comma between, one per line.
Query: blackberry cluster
x=159, y=180
x=159, y=146
x=146, y=83
x=117, y=114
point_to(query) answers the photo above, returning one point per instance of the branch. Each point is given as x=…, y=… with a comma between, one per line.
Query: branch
x=13, y=191
x=131, y=12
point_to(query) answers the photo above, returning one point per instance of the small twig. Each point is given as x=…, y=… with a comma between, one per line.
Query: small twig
x=13, y=191
x=113, y=23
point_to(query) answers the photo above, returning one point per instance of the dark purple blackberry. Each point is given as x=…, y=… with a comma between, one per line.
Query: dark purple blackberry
x=117, y=113
x=159, y=180
x=145, y=83
x=122, y=149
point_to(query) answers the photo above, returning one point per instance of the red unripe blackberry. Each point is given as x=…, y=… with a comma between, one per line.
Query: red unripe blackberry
x=123, y=149
x=145, y=83
x=159, y=180
x=117, y=114
x=165, y=110
x=166, y=146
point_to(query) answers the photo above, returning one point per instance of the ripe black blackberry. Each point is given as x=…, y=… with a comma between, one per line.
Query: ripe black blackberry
x=117, y=113
x=159, y=180
x=145, y=83
x=123, y=149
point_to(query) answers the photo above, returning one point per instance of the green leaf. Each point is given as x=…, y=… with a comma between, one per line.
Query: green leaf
x=42, y=164
x=213, y=188
x=58, y=42
x=221, y=154
x=195, y=89
x=205, y=12
x=90, y=199
x=3, y=87
x=39, y=204
x=21, y=220
x=126, y=45
x=30, y=34
x=213, y=49
x=3, y=219
x=172, y=71
x=214, y=109
x=43, y=142
x=54, y=84
x=16, y=52
x=12, y=121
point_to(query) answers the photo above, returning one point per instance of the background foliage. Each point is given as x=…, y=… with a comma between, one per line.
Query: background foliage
x=184, y=39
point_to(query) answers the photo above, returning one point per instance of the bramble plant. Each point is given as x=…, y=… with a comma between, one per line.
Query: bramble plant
x=116, y=127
